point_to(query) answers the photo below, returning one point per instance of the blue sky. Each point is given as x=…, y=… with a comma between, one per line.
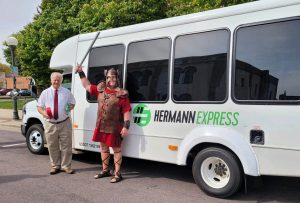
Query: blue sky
x=15, y=14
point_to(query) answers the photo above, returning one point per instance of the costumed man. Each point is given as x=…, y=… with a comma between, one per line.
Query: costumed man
x=113, y=119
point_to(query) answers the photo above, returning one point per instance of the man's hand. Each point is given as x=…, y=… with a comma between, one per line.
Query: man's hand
x=101, y=86
x=43, y=112
x=84, y=81
x=45, y=115
x=124, y=132
x=71, y=106
x=78, y=68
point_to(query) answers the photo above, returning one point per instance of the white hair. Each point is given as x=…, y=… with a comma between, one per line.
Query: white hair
x=54, y=74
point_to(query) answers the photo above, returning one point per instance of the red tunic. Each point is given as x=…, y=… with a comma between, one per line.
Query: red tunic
x=109, y=139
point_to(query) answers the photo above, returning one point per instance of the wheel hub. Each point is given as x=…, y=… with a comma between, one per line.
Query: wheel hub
x=35, y=140
x=215, y=172
x=220, y=169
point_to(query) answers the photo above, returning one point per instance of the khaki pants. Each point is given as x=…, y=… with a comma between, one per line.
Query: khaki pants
x=59, y=141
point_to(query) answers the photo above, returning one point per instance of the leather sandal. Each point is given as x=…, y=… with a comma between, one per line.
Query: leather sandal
x=116, y=178
x=102, y=174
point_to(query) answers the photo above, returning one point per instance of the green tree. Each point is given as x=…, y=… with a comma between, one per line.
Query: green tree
x=61, y=19
x=182, y=7
x=5, y=68
x=38, y=39
x=105, y=14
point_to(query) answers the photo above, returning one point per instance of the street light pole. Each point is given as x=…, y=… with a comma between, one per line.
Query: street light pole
x=12, y=43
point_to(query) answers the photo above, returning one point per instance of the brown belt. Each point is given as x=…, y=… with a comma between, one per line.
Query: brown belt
x=59, y=121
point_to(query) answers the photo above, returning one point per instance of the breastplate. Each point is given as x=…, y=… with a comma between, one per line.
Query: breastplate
x=108, y=116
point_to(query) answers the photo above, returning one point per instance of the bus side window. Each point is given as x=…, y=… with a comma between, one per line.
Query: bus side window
x=267, y=65
x=102, y=58
x=200, y=66
x=148, y=70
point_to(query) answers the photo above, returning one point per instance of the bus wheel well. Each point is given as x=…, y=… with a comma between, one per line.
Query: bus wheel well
x=199, y=147
x=30, y=122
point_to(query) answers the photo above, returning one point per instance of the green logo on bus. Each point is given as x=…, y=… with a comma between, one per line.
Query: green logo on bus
x=141, y=115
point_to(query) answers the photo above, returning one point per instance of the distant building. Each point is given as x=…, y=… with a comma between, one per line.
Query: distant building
x=2, y=76
x=21, y=82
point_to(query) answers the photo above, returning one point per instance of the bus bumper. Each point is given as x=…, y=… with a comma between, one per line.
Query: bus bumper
x=23, y=127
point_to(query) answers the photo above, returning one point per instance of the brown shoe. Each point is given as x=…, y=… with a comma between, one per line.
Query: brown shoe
x=53, y=171
x=116, y=178
x=69, y=171
x=102, y=174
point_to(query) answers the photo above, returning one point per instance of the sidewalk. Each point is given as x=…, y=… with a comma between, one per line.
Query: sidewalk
x=7, y=122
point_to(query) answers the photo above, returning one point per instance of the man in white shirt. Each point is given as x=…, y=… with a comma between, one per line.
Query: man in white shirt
x=54, y=104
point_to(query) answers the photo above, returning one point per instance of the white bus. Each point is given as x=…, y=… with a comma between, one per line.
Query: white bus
x=219, y=89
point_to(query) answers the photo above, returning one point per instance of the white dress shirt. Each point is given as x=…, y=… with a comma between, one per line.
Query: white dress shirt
x=65, y=97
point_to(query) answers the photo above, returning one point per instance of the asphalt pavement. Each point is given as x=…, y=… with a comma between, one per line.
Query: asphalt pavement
x=24, y=177
x=144, y=181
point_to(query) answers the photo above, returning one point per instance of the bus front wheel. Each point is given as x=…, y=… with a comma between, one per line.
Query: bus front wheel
x=217, y=172
x=35, y=139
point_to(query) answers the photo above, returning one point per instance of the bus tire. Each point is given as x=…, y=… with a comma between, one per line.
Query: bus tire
x=217, y=172
x=35, y=139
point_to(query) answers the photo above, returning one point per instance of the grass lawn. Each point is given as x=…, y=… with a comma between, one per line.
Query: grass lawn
x=8, y=103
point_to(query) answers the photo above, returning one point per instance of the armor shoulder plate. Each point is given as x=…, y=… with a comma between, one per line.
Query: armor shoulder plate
x=122, y=93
